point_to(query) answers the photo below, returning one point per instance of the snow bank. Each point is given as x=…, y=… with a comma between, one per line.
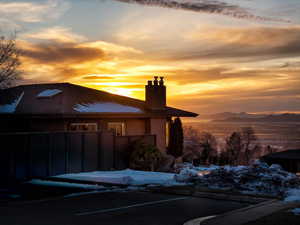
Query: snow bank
x=292, y=195
x=65, y=184
x=11, y=108
x=106, y=107
x=258, y=178
x=48, y=93
x=296, y=211
x=126, y=177
x=186, y=172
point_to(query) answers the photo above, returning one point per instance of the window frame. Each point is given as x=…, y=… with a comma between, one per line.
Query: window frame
x=83, y=124
x=123, y=127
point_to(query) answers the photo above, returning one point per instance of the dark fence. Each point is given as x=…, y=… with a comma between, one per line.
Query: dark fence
x=29, y=155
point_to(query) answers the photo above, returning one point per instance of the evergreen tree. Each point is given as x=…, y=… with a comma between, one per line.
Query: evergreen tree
x=175, y=147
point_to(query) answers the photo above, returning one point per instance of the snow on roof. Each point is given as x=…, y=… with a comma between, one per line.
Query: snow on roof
x=11, y=108
x=106, y=107
x=48, y=93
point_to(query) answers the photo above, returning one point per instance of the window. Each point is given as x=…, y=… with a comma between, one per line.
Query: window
x=83, y=127
x=167, y=133
x=117, y=128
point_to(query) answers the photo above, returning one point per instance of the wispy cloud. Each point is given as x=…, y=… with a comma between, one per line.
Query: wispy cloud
x=205, y=6
x=32, y=12
x=63, y=54
x=240, y=44
x=57, y=33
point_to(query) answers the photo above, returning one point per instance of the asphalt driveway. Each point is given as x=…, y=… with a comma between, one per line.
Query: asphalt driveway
x=114, y=208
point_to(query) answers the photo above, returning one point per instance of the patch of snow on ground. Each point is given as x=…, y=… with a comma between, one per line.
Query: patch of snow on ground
x=65, y=184
x=296, y=211
x=126, y=177
x=106, y=107
x=48, y=93
x=11, y=108
x=292, y=195
x=258, y=178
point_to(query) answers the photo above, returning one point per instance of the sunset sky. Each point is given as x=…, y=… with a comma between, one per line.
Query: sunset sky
x=227, y=55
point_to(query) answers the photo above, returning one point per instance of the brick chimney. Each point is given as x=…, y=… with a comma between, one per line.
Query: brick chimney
x=156, y=94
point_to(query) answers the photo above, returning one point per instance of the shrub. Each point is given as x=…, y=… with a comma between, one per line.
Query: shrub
x=144, y=157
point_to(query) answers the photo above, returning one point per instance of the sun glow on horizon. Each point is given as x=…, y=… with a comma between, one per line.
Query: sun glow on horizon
x=220, y=64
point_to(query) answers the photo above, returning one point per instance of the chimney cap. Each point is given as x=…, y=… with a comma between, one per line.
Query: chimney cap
x=161, y=82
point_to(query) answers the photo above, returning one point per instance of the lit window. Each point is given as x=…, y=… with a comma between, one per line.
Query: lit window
x=117, y=128
x=83, y=127
x=167, y=133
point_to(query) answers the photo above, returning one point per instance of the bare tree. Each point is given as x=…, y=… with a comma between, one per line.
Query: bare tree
x=9, y=61
x=250, y=147
x=269, y=150
x=192, y=145
x=233, y=148
x=200, y=147
x=208, y=144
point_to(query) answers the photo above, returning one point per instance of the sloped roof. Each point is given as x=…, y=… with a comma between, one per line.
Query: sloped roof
x=71, y=99
x=288, y=154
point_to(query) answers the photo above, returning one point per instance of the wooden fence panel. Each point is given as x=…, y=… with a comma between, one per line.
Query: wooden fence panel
x=29, y=155
x=7, y=157
x=58, y=154
x=21, y=156
x=39, y=155
x=121, y=145
x=90, y=156
x=75, y=142
x=107, y=149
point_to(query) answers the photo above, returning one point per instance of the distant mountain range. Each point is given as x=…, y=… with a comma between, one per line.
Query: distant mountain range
x=248, y=117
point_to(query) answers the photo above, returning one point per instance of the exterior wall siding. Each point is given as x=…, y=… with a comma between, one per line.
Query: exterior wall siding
x=158, y=128
x=135, y=127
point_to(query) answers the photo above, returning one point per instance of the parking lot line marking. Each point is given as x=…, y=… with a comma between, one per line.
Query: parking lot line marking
x=129, y=206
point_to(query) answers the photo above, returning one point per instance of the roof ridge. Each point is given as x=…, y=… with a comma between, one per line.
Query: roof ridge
x=37, y=84
x=79, y=86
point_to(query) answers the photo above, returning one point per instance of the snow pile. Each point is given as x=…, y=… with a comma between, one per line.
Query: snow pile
x=258, y=178
x=11, y=108
x=106, y=107
x=48, y=93
x=296, y=211
x=292, y=195
x=125, y=177
x=186, y=172
x=88, y=188
x=65, y=184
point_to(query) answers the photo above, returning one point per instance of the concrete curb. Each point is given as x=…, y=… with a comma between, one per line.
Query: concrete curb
x=244, y=215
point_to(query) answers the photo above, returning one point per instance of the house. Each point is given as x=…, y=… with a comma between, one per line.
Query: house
x=70, y=107
x=289, y=159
